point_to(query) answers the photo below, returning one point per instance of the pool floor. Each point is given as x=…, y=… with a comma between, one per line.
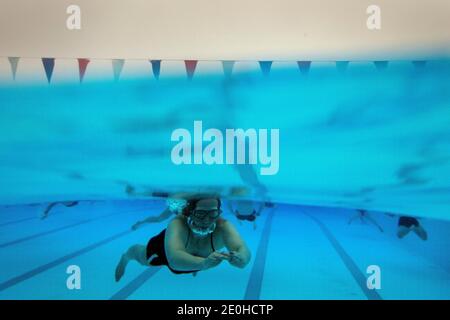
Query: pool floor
x=298, y=252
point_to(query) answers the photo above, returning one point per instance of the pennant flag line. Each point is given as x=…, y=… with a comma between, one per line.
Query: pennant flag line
x=265, y=67
x=117, y=68
x=156, y=67
x=227, y=68
x=82, y=65
x=304, y=66
x=13, y=61
x=342, y=65
x=190, y=68
x=191, y=65
x=381, y=65
x=49, y=64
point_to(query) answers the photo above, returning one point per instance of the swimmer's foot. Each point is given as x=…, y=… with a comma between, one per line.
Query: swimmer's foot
x=421, y=233
x=402, y=232
x=71, y=203
x=120, y=269
x=44, y=215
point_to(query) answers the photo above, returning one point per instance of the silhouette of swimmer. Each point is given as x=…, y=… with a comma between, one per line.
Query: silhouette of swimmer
x=175, y=204
x=191, y=242
x=364, y=216
x=50, y=206
x=407, y=224
x=246, y=210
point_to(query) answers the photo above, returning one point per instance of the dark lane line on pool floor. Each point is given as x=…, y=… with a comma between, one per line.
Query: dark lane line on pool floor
x=45, y=233
x=17, y=221
x=27, y=275
x=346, y=259
x=254, y=283
x=135, y=284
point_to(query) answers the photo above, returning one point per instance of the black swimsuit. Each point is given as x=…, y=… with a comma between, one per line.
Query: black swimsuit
x=408, y=222
x=155, y=246
x=248, y=217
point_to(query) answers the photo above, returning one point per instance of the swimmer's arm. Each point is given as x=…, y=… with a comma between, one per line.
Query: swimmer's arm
x=235, y=244
x=176, y=253
x=260, y=208
x=159, y=218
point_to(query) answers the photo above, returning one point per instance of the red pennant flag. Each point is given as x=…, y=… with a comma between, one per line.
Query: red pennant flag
x=82, y=65
x=304, y=66
x=190, y=67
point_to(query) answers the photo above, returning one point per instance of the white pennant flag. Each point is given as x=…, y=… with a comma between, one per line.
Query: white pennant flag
x=227, y=67
x=117, y=67
x=14, y=62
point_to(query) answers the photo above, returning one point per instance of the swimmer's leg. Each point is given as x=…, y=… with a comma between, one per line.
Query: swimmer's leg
x=373, y=221
x=402, y=231
x=46, y=211
x=70, y=203
x=153, y=219
x=354, y=217
x=138, y=253
x=254, y=225
x=420, y=232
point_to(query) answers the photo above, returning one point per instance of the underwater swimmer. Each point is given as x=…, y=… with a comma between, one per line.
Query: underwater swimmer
x=191, y=242
x=364, y=216
x=407, y=224
x=246, y=210
x=50, y=206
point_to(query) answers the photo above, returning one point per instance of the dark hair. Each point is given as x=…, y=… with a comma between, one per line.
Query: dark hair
x=192, y=203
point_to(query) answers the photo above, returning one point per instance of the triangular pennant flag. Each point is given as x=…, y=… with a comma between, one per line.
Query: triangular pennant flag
x=381, y=65
x=418, y=64
x=227, y=68
x=190, y=67
x=117, y=67
x=304, y=66
x=13, y=61
x=82, y=65
x=156, y=67
x=49, y=64
x=342, y=65
x=265, y=67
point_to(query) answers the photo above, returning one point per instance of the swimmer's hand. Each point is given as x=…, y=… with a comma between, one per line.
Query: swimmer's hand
x=214, y=259
x=129, y=190
x=236, y=259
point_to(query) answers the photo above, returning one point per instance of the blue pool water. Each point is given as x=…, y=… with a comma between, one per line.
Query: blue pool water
x=368, y=139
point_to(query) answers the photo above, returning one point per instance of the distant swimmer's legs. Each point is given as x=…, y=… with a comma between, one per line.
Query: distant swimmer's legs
x=70, y=203
x=373, y=221
x=254, y=225
x=420, y=232
x=47, y=210
x=355, y=216
x=402, y=231
x=138, y=253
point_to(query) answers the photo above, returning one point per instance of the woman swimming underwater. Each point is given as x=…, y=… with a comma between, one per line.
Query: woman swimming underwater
x=190, y=242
